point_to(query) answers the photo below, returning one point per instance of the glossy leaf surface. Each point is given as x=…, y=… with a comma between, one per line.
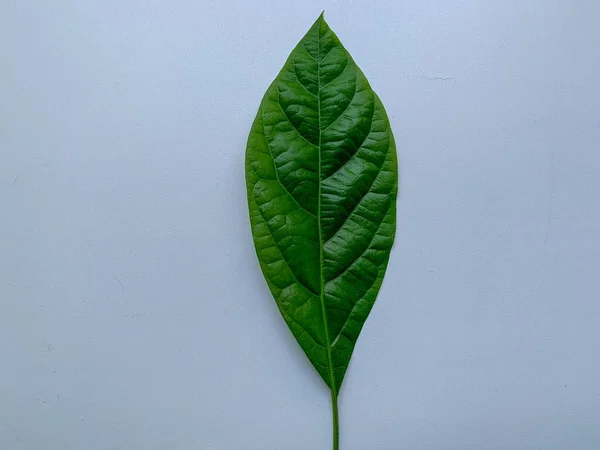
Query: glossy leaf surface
x=321, y=175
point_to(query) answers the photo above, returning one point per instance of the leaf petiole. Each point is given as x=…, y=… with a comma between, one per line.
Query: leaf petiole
x=336, y=420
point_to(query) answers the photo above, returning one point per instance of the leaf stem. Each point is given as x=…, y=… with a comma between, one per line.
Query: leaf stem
x=336, y=421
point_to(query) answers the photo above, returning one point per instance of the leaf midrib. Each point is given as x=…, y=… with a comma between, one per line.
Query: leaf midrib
x=321, y=244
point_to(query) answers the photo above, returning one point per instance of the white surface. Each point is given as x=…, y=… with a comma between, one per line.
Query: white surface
x=133, y=314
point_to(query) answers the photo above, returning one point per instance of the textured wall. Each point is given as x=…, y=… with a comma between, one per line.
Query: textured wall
x=133, y=314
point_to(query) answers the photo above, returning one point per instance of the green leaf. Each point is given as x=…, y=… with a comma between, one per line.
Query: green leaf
x=322, y=178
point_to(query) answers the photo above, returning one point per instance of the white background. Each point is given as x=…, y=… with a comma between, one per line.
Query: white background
x=133, y=314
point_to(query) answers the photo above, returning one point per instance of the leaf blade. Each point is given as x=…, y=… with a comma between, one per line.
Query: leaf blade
x=321, y=175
